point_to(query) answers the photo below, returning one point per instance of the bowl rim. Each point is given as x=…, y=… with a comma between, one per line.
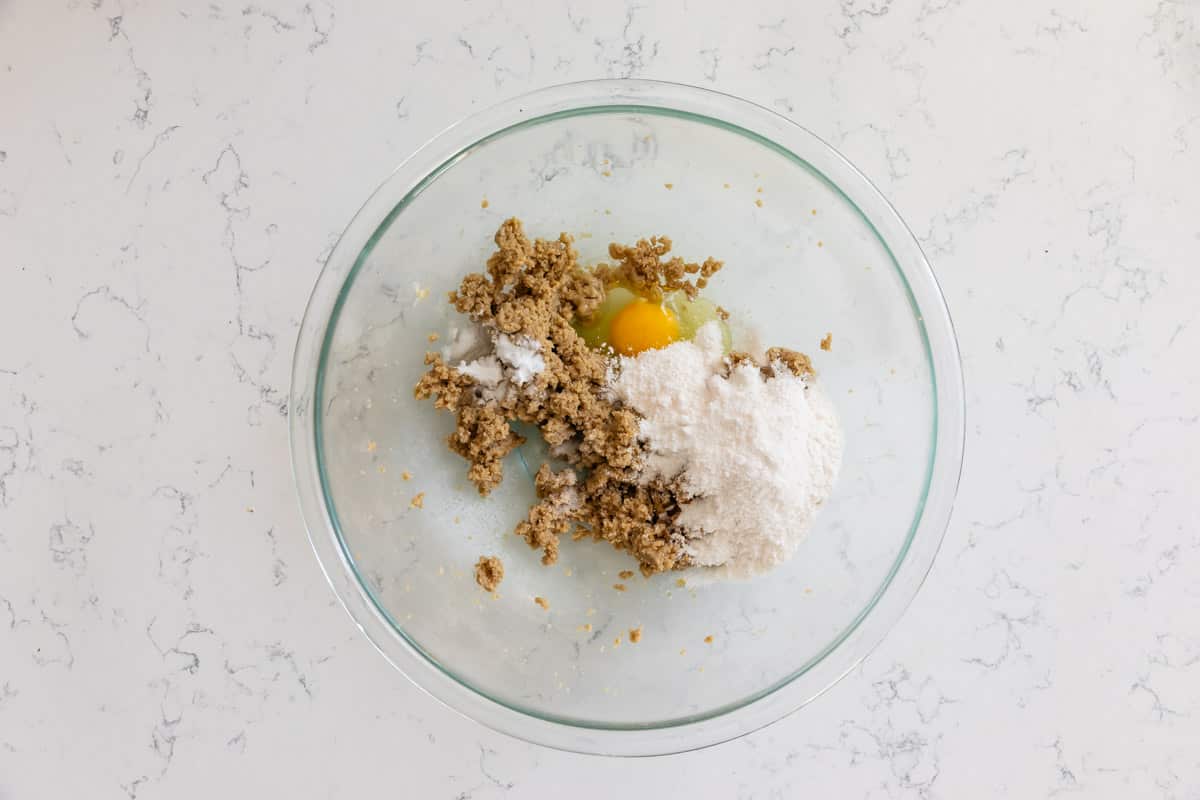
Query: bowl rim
x=767, y=128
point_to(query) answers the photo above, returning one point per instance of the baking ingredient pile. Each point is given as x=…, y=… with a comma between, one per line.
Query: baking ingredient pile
x=686, y=456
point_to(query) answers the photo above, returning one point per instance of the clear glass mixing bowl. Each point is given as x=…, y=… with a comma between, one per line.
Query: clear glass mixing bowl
x=810, y=247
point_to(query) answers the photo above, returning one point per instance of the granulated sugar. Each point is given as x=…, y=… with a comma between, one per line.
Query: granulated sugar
x=759, y=455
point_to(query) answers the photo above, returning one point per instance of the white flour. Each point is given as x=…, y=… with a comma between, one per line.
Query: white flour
x=760, y=456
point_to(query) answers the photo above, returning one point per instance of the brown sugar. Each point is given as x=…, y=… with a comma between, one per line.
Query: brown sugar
x=796, y=362
x=643, y=268
x=536, y=290
x=625, y=574
x=827, y=342
x=541, y=601
x=489, y=571
x=418, y=501
x=635, y=635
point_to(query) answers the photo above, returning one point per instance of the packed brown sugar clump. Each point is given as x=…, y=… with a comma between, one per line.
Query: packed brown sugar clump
x=793, y=361
x=643, y=267
x=536, y=290
x=489, y=571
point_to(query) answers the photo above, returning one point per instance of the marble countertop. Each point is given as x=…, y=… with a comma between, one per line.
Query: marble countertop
x=173, y=174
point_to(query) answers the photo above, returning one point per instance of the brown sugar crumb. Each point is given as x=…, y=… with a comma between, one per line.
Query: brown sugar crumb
x=635, y=635
x=814, y=212
x=620, y=587
x=433, y=337
x=669, y=185
x=708, y=639
x=758, y=190
x=617, y=642
x=827, y=342
x=625, y=574
x=758, y=202
x=607, y=173
x=418, y=501
x=796, y=362
x=489, y=571
x=587, y=626
x=793, y=361
x=726, y=185
x=680, y=582
x=406, y=475
x=372, y=446
x=541, y=601
x=483, y=203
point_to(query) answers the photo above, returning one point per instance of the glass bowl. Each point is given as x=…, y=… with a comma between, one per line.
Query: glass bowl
x=810, y=246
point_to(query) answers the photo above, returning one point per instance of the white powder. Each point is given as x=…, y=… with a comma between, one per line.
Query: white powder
x=760, y=456
x=486, y=371
x=522, y=355
x=508, y=362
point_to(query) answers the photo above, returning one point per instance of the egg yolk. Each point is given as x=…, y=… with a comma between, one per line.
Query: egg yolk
x=642, y=326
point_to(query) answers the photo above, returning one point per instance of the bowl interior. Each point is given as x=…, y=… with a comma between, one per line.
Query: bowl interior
x=801, y=261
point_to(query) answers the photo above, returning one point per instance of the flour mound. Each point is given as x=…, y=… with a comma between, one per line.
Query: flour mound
x=757, y=450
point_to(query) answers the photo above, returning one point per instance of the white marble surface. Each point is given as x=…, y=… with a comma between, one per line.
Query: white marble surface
x=172, y=175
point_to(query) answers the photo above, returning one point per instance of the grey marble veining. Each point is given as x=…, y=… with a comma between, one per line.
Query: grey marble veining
x=173, y=174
